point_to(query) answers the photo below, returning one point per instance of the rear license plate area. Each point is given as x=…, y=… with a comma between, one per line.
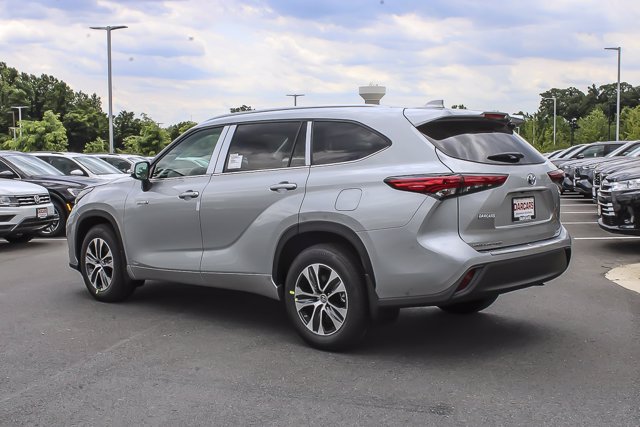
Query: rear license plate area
x=523, y=209
x=41, y=213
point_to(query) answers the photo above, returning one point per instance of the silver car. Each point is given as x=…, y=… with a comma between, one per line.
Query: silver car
x=346, y=214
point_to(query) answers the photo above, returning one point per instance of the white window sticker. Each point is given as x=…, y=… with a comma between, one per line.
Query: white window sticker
x=235, y=161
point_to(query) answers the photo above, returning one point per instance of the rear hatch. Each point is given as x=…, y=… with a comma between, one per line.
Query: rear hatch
x=525, y=208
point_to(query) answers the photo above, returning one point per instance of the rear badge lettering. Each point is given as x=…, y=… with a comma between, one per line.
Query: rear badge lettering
x=486, y=216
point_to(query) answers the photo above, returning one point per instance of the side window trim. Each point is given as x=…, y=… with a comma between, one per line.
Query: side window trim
x=307, y=145
x=224, y=148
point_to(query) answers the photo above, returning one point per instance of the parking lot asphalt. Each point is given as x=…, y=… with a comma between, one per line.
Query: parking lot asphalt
x=567, y=353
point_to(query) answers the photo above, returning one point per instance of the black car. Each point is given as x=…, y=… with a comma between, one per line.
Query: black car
x=619, y=202
x=63, y=189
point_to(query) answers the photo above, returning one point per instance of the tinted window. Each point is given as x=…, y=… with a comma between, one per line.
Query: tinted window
x=335, y=142
x=190, y=157
x=610, y=148
x=63, y=164
x=96, y=166
x=121, y=164
x=261, y=146
x=477, y=139
x=4, y=168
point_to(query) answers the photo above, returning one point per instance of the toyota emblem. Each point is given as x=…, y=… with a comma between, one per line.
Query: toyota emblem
x=36, y=199
x=531, y=179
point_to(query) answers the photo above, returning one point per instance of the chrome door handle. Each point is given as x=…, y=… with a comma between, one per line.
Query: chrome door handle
x=189, y=195
x=284, y=186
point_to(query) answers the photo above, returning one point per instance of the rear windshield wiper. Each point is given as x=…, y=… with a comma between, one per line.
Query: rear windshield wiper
x=506, y=157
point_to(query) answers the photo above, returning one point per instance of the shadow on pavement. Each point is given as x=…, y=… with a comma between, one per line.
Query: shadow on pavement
x=419, y=332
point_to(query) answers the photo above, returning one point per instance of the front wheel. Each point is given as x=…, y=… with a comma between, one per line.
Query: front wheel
x=469, y=307
x=57, y=227
x=19, y=238
x=325, y=297
x=103, y=267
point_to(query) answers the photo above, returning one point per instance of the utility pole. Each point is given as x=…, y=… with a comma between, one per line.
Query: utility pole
x=110, y=28
x=20, y=107
x=619, y=49
x=295, y=98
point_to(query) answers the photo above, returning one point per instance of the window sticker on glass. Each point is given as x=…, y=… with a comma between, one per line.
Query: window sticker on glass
x=235, y=161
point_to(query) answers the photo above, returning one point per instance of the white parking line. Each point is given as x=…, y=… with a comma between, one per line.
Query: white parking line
x=44, y=239
x=580, y=222
x=593, y=212
x=607, y=238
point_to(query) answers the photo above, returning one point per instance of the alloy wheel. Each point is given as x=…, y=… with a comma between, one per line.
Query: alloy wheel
x=321, y=299
x=99, y=264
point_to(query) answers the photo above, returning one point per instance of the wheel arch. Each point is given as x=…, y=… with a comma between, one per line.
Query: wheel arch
x=301, y=236
x=89, y=220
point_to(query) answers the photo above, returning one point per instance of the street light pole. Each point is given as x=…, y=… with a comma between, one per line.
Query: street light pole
x=619, y=49
x=20, y=107
x=110, y=28
x=554, y=118
x=295, y=98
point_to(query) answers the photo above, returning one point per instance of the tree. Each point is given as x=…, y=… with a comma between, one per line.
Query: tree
x=241, y=108
x=97, y=146
x=151, y=140
x=85, y=121
x=179, y=128
x=630, y=123
x=570, y=103
x=47, y=134
x=125, y=124
x=592, y=128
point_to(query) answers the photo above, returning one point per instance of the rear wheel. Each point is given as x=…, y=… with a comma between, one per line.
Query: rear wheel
x=19, y=238
x=103, y=267
x=325, y=297
x=469, y=307
x=57, y=227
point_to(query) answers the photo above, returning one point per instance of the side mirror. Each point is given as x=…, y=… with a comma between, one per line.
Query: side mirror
x=580, y=156
x=7, y=174
x=76, y=172
x=141, y=171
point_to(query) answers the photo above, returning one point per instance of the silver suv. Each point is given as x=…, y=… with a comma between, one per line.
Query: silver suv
x=345, y=214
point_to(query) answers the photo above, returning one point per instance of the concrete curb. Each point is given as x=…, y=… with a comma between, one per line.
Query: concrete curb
x=627, y=276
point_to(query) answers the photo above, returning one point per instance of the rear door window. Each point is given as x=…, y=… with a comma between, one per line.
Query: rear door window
x=335, y=142
x=479, y=140
x=270, y=145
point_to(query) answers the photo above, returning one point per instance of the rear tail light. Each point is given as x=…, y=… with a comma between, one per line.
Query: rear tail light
x=443, y=186
x=466, y=280
x=495, y=116
x=556, y=176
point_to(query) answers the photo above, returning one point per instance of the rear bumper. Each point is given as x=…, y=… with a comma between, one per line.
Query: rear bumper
x=29, y=225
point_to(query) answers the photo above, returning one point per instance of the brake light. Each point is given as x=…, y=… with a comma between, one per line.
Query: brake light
x=443, y=186
x=556, y=176
x=494, y=116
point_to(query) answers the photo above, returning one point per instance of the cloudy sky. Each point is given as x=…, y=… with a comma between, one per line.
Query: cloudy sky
x=194, y=59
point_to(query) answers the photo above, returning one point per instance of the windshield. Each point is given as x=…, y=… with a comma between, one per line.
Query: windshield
x=625, y=150
x=96, y=166
x=33, y=166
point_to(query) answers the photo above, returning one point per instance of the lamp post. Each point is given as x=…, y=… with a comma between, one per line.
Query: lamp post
x=295, y=98
x=619, y=49
x=108, y=29
x=554, y=118
x=20, y=107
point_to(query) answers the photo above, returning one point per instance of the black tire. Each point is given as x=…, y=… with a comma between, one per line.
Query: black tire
x=469, y=307
x=59, y=226
x=121, y=285
x=352, y=300
x=19, y=238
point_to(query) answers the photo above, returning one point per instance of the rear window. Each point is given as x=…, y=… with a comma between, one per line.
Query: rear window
x=478, y=139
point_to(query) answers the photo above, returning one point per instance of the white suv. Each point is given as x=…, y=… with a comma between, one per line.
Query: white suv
x=24, y=209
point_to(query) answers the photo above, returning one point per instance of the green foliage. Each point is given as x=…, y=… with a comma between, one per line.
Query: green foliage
x=151, y=140
x=592, y=128
x=630, y=123
x=47, y=134
x=125, y=124
x=241, y=108
x=179, y=128
x=97, y=146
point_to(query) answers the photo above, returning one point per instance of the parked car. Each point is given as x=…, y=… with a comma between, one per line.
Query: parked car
x=62, y=189
x=77, y=164
x=566, y=154
x=25, y=208
x=551, y=154
x=579, y=173
x=595, y=149
x=603, y=170
x=123, y=162
x=619, y=202
x=345, y=213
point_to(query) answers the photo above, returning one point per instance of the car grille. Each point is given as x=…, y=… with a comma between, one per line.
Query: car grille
x=35, y=199
x=596, y=179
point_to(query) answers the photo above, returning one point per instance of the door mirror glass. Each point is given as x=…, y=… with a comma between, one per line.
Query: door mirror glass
x=76, y=172
x=580, y=156
x=7, y=174
x=141, y=171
